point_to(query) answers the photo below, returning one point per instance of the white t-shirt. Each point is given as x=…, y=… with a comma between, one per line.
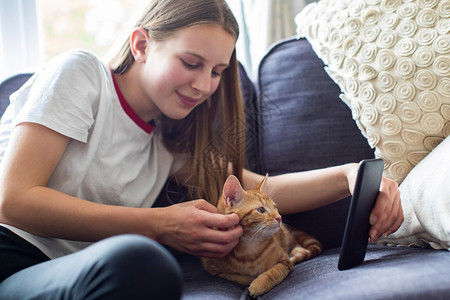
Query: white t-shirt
x=113, y=157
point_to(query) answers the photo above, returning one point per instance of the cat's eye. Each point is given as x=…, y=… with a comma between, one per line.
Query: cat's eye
x=261, y=210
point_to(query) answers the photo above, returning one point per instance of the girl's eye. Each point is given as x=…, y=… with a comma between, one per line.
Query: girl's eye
x=196, y=66
x=261, y=210
x=215, y=74
x=189, y=66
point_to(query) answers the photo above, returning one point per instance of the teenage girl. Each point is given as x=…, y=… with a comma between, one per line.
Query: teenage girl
x=86, y=147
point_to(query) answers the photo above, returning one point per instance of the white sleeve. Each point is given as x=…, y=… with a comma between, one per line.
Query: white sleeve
x=63, y=96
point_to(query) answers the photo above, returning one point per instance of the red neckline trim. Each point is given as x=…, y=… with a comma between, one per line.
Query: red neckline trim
x=147, y=127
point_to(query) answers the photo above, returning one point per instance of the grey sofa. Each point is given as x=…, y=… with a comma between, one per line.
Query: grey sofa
x=296, y=122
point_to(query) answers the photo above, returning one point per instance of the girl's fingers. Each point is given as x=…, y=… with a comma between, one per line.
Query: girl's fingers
x=387, y=215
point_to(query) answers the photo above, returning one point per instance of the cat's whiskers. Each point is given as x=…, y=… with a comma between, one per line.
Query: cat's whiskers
x=263, y=230
x=256, y=231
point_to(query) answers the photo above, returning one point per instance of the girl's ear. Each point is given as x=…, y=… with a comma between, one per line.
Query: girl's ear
x=139, y=40
x=233, y=193
x=262, y=183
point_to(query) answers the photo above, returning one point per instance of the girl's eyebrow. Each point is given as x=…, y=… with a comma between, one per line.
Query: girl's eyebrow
x=204, y=60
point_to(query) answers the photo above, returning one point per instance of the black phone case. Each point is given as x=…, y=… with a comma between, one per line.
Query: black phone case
x=356, y=234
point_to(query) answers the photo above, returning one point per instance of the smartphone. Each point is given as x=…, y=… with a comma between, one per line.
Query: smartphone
x=365, y=193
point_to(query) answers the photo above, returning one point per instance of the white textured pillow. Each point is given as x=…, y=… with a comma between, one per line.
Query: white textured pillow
x=391, y=59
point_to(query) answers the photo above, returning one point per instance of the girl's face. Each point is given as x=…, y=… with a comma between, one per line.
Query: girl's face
x=179, y=73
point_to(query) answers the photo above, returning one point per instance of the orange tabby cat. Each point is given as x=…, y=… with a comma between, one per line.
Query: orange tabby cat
x=267, y=250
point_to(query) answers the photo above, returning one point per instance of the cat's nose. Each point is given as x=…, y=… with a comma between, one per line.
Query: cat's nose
x=278, y=219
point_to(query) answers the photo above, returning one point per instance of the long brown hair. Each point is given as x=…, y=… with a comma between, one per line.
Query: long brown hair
x=213, y=133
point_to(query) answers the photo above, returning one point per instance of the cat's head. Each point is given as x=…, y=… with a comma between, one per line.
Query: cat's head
x=257, y=212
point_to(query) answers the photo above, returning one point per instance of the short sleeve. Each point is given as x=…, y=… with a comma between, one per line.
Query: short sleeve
x=63, y=96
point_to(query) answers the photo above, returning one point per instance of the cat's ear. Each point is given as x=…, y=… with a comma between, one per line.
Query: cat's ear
x=233, y=193
x=262, y=183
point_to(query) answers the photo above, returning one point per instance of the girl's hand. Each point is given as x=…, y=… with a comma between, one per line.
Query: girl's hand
x=387, y=214
x=192, y=227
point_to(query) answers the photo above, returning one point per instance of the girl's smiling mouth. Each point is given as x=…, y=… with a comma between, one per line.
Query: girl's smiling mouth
x=187, y=101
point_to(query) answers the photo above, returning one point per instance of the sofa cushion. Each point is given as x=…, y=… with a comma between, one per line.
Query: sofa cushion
x=10, y=85
x=391, y=60
x=303, y=126
x=387, y=273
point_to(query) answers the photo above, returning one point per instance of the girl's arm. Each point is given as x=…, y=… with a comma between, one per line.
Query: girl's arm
x=26, y=203
x=297, y=192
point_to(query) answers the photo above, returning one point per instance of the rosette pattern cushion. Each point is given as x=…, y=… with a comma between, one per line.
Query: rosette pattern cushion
x=391, y=59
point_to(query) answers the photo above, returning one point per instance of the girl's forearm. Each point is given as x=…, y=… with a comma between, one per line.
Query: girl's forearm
x=46, y=212
x=302, y=191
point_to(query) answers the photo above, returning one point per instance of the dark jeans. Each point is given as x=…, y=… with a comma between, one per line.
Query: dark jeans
x=121, y=267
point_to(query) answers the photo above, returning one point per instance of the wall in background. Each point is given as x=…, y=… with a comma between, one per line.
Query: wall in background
x=262, y=23
x=20, y=40
x=33, y=31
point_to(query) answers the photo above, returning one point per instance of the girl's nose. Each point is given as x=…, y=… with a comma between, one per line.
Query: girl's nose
x=202, y=82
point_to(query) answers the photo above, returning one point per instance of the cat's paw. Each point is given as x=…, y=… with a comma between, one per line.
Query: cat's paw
x=256, y=290
x=299, y=254
x=260, y=286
